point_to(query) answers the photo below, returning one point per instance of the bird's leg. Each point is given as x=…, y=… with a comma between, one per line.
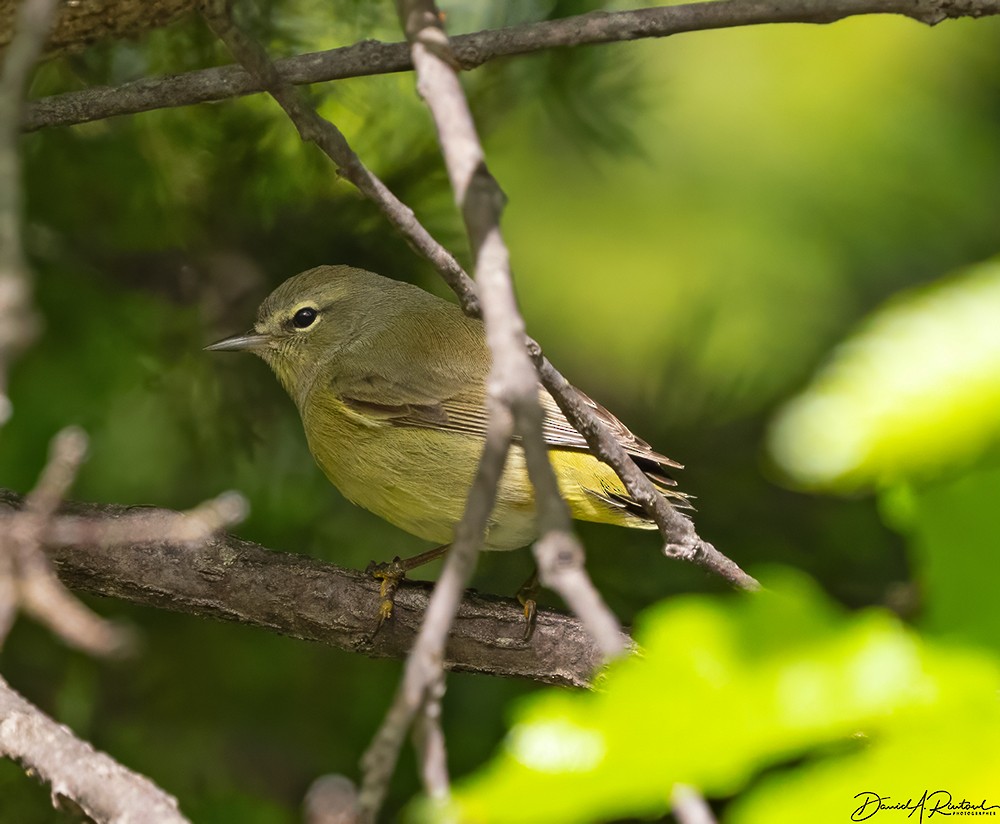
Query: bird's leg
x=526, y=595
x=392, y=573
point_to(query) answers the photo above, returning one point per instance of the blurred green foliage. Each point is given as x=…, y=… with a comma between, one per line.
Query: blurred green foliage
x=910, y=406
x=694, y=223
x=727, y=688
x=914, y=394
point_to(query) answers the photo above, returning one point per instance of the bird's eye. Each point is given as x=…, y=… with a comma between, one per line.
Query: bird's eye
x=304, y=317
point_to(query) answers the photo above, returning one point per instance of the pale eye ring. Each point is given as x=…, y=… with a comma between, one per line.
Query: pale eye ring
x=304, y=318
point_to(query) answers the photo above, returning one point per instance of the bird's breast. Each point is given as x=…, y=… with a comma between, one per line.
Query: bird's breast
x=416, y=478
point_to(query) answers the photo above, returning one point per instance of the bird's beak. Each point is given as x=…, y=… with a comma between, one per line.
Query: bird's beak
x=249, y=342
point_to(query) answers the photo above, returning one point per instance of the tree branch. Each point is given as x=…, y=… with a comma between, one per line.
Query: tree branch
x=681, y=539
x=371, y=57
x=331, y=141
x=36, y=588
x=82, y=22
x=299, y=596
x=18, y=322
x=513, y=397
x=104, y=789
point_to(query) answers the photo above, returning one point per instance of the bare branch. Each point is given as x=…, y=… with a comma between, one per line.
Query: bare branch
x=104, y=789
x=33, y=583
x=332, y=142
x=430, y=745
x=18, y=322
x=371, y=57
x=67, y=452
x=146, y=525
x=81, y=22
x=299, y=596
x=513, y=400
x=425, y=659
x=689, y=806
x=681, y=540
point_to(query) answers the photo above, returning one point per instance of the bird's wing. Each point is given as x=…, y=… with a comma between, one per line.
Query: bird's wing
x=445, y=402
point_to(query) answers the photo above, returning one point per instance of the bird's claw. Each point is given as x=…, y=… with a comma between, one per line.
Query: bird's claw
x=530, y=617
x=390, y=573
x=526, y=596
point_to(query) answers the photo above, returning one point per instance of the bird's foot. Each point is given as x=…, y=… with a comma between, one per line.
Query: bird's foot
x=391, y=574
x=526, y=596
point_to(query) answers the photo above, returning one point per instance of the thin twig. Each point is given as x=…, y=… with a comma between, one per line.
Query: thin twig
x=432, y=754
x=36, y=588
x=144, y=525
x=328, y=138
x=681, y=540
x=424, y=662
x=18, y=321
x=100, y=786
x=371, y=57
x=513, y=398
x=512, y=379
x=689, y=806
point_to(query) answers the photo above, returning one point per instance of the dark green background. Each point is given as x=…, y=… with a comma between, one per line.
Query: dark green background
x=693, y=223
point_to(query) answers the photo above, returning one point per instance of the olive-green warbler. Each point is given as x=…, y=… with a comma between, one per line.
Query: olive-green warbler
x=390, y=382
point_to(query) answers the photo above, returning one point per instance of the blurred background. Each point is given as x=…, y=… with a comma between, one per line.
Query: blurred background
x=694, y=223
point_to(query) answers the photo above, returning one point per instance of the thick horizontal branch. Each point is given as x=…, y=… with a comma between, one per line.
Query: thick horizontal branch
x=305, y=598
x=471, y=50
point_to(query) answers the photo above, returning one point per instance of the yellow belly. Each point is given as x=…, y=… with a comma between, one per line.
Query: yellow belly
x=418, y=479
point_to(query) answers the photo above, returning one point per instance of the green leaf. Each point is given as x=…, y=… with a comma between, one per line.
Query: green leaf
x=914, y=392
x=953, y=529
x=727, y=687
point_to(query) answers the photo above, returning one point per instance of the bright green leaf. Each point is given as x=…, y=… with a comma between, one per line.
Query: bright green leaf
x=914, y=391
x=728, y=687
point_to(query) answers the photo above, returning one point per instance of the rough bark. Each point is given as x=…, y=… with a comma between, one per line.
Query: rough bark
x=83, y=22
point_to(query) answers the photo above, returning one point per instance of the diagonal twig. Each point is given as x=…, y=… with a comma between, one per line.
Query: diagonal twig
x=36, y=588
x=315, y=129
x=513, y=395
x=99, y=785
x=689, y=806
x=424, y=662
x=681, y=539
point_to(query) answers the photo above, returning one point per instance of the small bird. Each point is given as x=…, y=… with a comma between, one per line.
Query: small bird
x=390, y=382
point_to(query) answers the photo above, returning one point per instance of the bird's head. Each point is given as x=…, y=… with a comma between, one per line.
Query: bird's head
x=305, y=322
